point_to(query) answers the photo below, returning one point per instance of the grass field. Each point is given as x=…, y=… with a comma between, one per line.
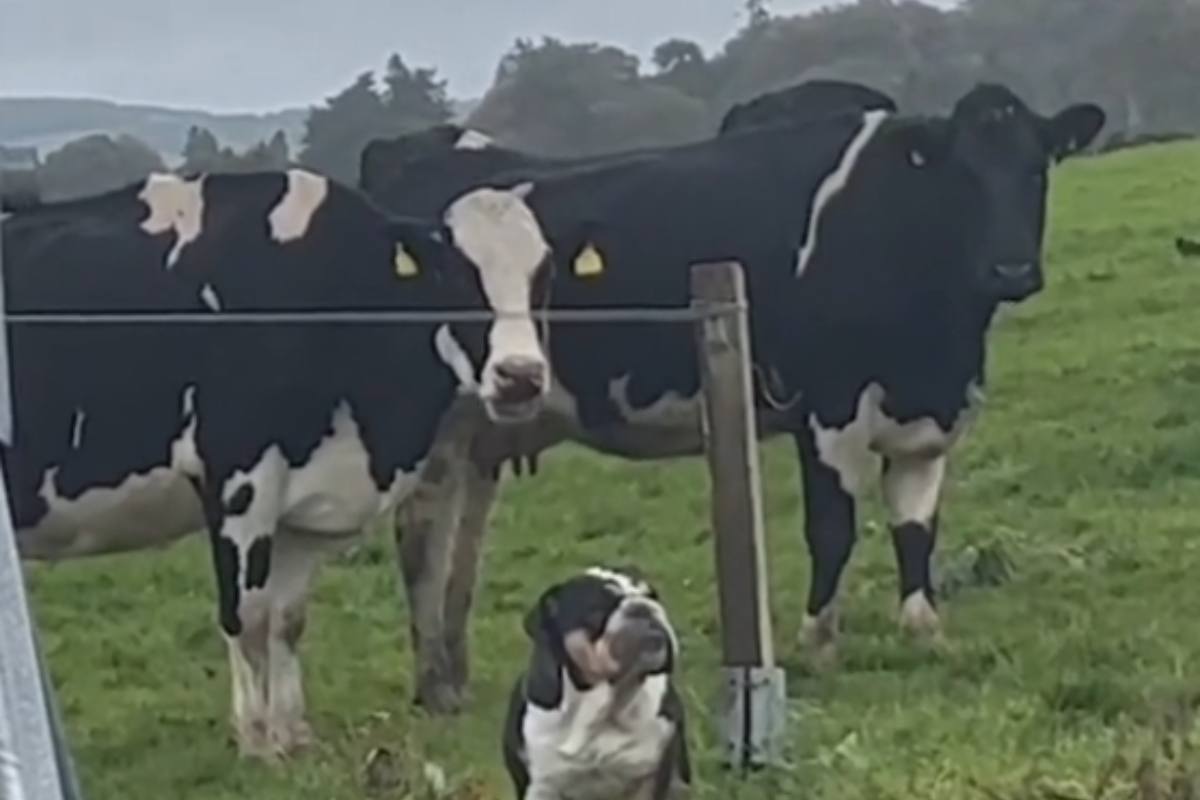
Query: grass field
x=1084, y=471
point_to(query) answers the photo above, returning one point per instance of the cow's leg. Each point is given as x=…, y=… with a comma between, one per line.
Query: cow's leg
x=295, y=560
x=479, y=495
x=830, y=530
x=242, y=512
x=426, y=526
x=911, y=489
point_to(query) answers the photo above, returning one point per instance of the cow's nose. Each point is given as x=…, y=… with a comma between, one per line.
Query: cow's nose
x=519, y=380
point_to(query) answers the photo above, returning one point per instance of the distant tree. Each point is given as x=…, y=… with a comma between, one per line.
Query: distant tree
x=414, y=98
x=757, y=13
x=272, y=154
x=336, y=132
x=564, y=99
x=201, y=151
x=96, y=164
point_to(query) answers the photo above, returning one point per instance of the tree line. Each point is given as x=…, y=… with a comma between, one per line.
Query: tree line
x=1137, y=58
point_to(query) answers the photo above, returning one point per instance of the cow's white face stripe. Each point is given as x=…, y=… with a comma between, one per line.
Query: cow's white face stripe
x=473, y=140
x=290, y=218
x=500, y=235
x=175, y=205
x=835, y=182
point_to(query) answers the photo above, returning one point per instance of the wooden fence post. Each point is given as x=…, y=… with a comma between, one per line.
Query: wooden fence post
x=754, y=710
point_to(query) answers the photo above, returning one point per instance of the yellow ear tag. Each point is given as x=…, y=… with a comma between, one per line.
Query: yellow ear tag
x=589, y=263
x=406, y=265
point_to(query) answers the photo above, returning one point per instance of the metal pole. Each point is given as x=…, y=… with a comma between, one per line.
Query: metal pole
x=34, y=763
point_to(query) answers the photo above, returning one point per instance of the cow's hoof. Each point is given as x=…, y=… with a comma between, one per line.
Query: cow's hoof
x=438, y=697
x=920, y=619
x=253, y=742
x=292, y=738
x=459, y=669
x=819, y=635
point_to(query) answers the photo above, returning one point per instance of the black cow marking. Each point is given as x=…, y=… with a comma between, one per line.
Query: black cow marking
x=229, y=595
x=258, y=563
x=240, y=501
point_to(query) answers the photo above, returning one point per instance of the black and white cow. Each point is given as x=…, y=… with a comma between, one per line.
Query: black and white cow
x=877, y=250
x=293, y=435
x=420, y=173
x=405, y=158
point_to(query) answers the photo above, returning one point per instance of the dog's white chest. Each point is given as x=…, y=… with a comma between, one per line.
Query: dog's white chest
x=586, y=752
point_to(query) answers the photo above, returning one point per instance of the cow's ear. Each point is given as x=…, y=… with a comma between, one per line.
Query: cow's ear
x=926, y=142
x=374, y=163
x=1072, y=129
x=544, y=678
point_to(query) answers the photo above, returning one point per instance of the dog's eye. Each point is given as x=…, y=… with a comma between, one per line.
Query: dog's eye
x=596, y=621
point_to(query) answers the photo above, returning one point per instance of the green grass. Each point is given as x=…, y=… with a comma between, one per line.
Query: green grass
x=1085, y=469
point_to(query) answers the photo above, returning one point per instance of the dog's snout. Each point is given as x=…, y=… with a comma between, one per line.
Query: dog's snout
x=655, y=638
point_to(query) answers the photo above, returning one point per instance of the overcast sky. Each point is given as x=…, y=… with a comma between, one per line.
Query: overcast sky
x=265, y=54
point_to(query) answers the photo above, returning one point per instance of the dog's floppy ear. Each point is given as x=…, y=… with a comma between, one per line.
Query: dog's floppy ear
x=543, y=680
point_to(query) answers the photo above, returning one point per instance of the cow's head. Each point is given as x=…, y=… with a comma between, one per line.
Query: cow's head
x=384, y=160
x=496, y=232
x=999, y=152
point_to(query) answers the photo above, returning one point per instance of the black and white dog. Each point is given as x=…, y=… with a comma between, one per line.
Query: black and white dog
x=595, y=717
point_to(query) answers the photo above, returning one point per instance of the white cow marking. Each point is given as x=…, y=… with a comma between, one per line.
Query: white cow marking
x=175, y=205
x=77, y=429
x=291, y=217
x=835, y=182
x=473, y=140
x=451, y=352
x=185, y=457
x=334, y=492
x=854, y=451
x=144, y=510
x=911, y=489
x=918, y=615
x=210, y=297
x=672, y=410
x=500, y=235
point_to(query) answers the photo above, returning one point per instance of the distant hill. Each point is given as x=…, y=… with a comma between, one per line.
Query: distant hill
x=48, y=123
